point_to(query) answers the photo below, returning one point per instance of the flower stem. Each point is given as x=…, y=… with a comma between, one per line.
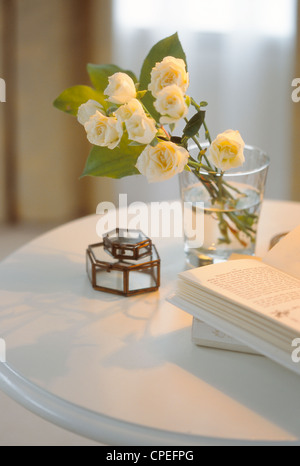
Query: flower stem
x=198, y=108
x=207, y=133
x=166, y=132
x=221, y=192
x=200, y=165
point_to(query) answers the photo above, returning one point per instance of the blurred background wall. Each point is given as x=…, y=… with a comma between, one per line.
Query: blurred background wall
x=242, y=57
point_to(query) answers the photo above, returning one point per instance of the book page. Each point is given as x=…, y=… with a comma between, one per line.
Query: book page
x=286, y=254
x=254, y=285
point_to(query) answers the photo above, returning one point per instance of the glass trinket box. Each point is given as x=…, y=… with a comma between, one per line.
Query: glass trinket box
x=127, y=244
x=124, y=263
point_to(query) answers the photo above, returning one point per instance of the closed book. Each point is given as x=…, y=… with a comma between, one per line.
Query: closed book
x=205, y=335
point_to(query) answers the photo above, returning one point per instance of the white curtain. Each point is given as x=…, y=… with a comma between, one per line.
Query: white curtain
x=240, y=56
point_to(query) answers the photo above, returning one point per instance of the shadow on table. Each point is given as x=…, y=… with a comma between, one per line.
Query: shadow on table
x=251, y=380
x=46, y=304
x=59, y=285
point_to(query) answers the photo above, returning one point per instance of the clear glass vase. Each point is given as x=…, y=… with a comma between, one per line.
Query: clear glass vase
x=228, y=223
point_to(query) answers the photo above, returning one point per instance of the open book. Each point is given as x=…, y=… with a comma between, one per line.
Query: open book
x=205, y=335
x=257, y=303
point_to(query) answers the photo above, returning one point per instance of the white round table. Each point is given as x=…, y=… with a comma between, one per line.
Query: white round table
x=123, y=371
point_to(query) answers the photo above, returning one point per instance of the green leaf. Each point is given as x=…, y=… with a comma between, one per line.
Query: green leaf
x=141, y=94
x=116, y=163
x=161, y=133
x=70, y=100
x=172, y=127
x=154, y=142
x=194, y=124
x=170, y=46
x=99, y=75
x=111, y=109
x=135, y=143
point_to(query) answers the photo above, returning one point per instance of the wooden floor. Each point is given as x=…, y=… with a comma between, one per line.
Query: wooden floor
x=14, y=237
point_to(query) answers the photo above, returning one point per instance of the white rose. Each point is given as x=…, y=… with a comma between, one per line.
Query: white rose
x=140, y=128
x=170, y=103
x=162, y=162
x=103, y=131
x=127, y=110
x=167, y=72
x=88, y=109
x=121, y=88
x=227, y=150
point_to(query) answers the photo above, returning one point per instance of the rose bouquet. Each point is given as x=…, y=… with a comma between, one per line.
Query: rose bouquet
x=131, y=122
